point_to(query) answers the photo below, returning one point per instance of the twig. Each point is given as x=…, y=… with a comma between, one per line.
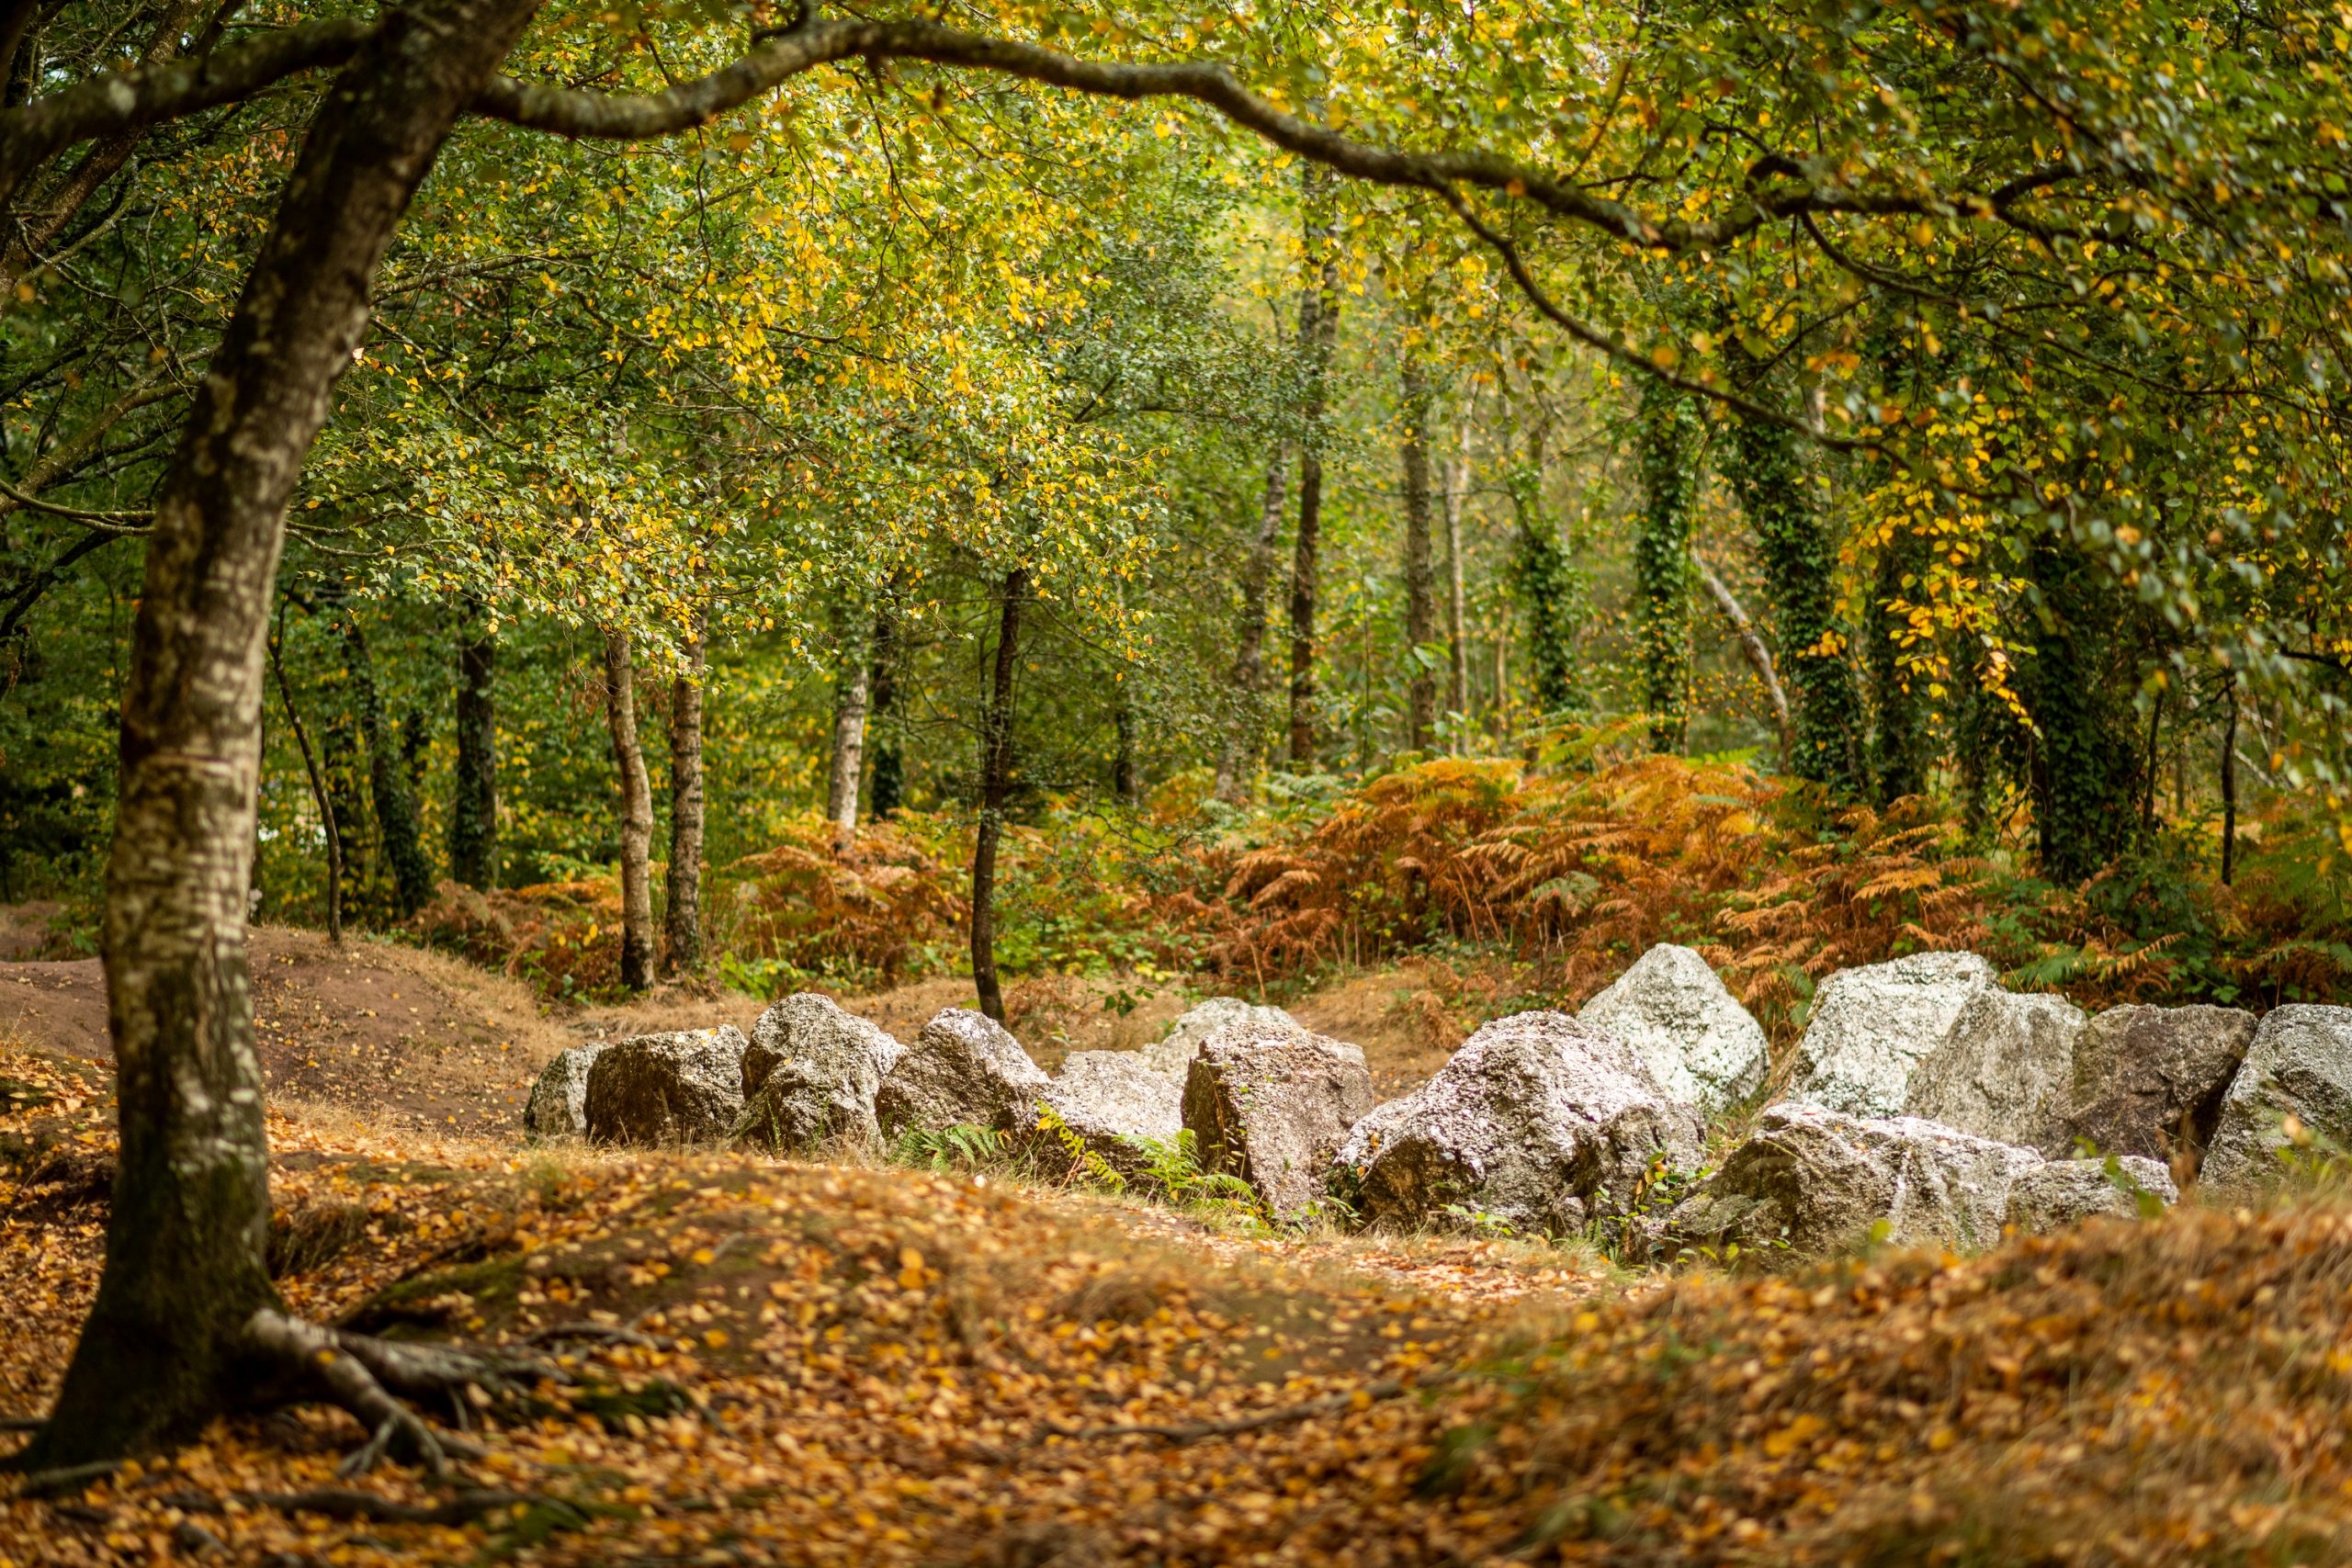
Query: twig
x=1197, y=1431
x=350, y=1503
x=612, y=1331
x=105, y=522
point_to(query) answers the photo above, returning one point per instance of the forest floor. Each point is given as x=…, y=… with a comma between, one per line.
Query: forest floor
x=748, y=1360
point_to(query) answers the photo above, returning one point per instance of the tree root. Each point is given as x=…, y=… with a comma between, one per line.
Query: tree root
x=349, y=1502
x=613, y=1333
x=371, y=1377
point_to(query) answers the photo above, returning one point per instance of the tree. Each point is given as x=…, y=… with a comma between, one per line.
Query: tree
x=1668, y=443
x=996, y=788
x=1319, y=327
x=1420, y=588
x=473, y=813
x=682, y=902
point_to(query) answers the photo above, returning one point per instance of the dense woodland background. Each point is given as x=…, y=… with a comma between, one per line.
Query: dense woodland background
x=785, y=412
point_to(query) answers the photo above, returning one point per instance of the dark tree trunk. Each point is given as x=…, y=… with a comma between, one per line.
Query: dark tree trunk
x=1318, y=328
x=681, y=910
x=636, y=812
x=1238, y=749
x=996, y=787
x=1126, y=777
x=319, y=795
x=1662, y=561
x=1420, y=578
x=176, y=1331
x=473, y=808
x=2085, y=766
x=386, y=785
x=1552, y=588
x=2229, y=784
x=1457, y=485
x=852, y=673
x=886, y=767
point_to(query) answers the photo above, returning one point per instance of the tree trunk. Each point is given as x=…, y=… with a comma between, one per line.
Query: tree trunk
x=387, y=788
x=1551, y=586
x=1237, y=751
x=851, y=690
x=319, y=795
x=1420, y=585
x=682, y=911
x=473, y=811
x=171, y=1338
x=887, y=768
x=1126, y=776
x=1457, y=485
x=636, y=812
x=2229, y=784
x=1662, y=561
x=996, y=785
x=1319, y=327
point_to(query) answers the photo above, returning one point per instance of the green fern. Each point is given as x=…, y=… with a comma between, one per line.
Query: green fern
x=1172, y=1170
x=964, y=1147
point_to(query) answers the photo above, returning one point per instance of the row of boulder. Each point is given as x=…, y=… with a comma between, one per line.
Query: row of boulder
x=1925, y=1103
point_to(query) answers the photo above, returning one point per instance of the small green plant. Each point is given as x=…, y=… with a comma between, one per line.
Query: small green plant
x=965, y=1146
x=1172, y=1170
x=1479, y=1222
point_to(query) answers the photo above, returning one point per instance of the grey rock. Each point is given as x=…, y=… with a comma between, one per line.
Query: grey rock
x=2149, y=1080
x=1814, y=1181
x=1539, y=1120
x=680, y=1088
x=558, y=1104
x=2065, y=1190
x=962, y=1069
x=1700, y=1044
x=2002, y=1067
x=1110, y=1101
x=811, y=1073
x=1172, y=1053
x=1273, y=1108
x=1870, y=1026
x=2298, y=1064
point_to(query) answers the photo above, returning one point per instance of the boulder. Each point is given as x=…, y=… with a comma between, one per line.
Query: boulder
x=2002, y=1067
x=1812, y=1180
x=1273, y=1108
x=2149, y=1080
x=2298, y=1064
x=2062, y=1191
x=558, y=1104
x=964, y=1069
x=1701, y=1045
x=681, y=1088
x=1108, y=1101
x=811, y=1073
x=1540, y=1121
x=1870, y=1026
x=1172, y=1053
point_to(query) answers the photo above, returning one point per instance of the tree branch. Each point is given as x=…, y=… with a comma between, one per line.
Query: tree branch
x=126, y=100
x=607, y=116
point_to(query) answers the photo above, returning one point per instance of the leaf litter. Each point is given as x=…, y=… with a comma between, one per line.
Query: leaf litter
x=754, y=1361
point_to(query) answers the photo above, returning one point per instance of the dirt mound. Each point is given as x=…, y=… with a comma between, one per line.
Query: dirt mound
x=399, y=1036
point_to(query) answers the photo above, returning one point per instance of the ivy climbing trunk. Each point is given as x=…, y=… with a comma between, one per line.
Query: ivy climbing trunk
x=2085, y=757
x=1550, y=587
x=175, y=1334
x=682, y=900
x=1670, y=439
x=474, y=810
x=1800, y=562
x=1902, y=747
x=996, y=788
x=637, y=812
x=1238, y=748
x=1421, y=579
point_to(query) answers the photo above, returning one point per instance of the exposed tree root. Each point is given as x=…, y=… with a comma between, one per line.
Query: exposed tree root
x=613, y=1333
x=371, y=1377
x=349, y=1502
